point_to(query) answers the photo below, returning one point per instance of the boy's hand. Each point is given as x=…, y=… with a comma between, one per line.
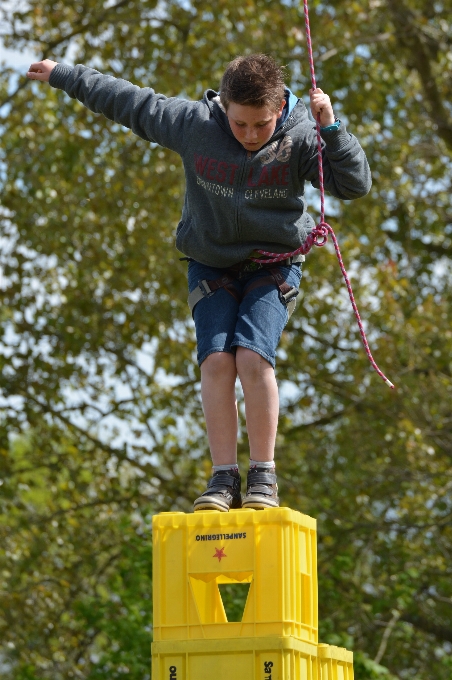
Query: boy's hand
x=321, y=104
x=41, y=70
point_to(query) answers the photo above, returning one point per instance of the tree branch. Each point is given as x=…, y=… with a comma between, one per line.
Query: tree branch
x=424, y=624
x=47, y=49
x=386, y=636
x=358, y=40
x=434, y=248
x=422, y=47
x=325, y=420
x=327, y=343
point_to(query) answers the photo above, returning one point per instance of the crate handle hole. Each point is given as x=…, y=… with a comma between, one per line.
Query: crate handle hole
x=234, y=596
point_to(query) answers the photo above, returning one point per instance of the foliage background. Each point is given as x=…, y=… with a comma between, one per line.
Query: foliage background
x=101, y=423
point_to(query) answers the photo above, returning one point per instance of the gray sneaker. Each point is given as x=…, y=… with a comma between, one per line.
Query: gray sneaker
x=261, y=491
x=223, y=492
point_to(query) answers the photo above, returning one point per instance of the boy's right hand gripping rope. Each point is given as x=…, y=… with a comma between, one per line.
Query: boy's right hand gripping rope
x=319, y=235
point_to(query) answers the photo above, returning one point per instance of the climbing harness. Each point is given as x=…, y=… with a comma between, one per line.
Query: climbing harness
x=319, y=235
x=287, y=294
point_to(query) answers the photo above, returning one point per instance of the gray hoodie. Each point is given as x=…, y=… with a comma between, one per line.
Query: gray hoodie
x=236, y=201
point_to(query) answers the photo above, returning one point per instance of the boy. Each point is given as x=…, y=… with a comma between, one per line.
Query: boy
x=247, y=153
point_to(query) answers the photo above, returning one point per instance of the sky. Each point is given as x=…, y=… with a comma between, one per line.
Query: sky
x=15, y=59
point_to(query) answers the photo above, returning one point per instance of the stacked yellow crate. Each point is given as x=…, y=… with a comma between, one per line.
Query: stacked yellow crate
x=274, y=551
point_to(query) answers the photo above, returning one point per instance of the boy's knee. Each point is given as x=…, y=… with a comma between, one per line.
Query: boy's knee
x=219, y=364
x=250, y=364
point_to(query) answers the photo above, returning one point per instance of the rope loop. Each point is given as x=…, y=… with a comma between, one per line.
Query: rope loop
x=320, y=234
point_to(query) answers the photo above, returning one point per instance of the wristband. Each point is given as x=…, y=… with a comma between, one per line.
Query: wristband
x=335, y=126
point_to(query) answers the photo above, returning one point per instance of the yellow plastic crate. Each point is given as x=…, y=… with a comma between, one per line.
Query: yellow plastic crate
x=334, y=663
x=275, y=551
x=273, y=658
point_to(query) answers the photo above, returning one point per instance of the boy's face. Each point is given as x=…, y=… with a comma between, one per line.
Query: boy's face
x=253, y=127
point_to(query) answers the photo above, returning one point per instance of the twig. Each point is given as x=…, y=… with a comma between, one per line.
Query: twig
x=386, y=635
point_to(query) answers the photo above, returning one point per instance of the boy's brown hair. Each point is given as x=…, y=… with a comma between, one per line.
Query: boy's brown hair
x=255, y=80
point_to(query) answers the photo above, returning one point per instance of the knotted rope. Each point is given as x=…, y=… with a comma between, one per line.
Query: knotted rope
x=319, y=235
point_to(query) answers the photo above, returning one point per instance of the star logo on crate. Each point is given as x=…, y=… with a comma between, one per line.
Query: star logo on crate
x=219, y=552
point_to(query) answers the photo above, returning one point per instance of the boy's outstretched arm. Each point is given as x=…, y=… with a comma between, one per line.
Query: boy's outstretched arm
x=151, y=116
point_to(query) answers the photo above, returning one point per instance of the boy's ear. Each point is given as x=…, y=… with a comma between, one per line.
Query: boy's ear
x=281, y=108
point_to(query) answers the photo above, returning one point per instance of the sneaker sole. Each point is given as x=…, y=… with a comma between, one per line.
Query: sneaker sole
x=258, y=504
x=210, y=504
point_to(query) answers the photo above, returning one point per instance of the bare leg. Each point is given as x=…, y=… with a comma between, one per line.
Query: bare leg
x=218, y=374
x=261, y=402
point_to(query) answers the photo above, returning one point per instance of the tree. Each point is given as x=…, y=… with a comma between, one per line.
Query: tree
x=98, y=381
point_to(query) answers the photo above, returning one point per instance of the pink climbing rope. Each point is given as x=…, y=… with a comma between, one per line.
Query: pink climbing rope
x=319, y=235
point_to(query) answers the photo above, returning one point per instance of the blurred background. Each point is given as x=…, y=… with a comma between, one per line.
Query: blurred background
x=101, y=423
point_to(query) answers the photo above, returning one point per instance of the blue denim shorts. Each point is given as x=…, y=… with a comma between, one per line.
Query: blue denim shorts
x=257, y=322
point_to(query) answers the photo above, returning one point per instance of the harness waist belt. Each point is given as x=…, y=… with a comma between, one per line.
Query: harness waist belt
x=205, y=288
